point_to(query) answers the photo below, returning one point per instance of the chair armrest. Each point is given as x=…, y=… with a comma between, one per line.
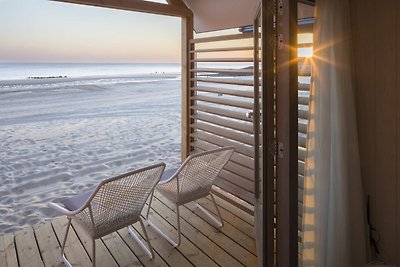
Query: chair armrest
x=62, y=210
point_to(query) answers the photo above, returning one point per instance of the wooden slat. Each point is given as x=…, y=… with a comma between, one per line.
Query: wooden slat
x=235, y=190
x=136, y=5
x=120, y=251
x=134, y=246
x=223, y=49
x=302, y=126
x=236, y=125
x=220, y=141
x=303, y=112
x=235, y=205
x=225, y=81
x=305, y=28
x=192, y=253
x=225, y=240
x=242, y=59
x=190, y=235
x=301, y=167
x=231, y=218
x=245, y=241
x=300, y=179
x=176, y=2
x=301, y=192
x=8, y=253
x=304, y=67
x=224, y=71
x=3, y=259
x=236, y=157
x=202, y=243
x=222, y=112
x=224, y=132
x=222, y=38
x=48, y=244
x=237, y=180
x=240, y=170
x=224, y=101
x=304, y=87
x=186, y=84
x=27, y=250
x=172, y=256
x=103, y=256
x=305, y=45
x=304, y=98
x=302, y=153
x=302, y=139
x=74, y=250
x=233, y=92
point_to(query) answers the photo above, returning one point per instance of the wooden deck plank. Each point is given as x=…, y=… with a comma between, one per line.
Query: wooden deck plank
x=120, y=251
x=230, y=218
x=172, y=256
x=74, y=250
x=49, y=246
x=189, y=232
x=187, y=248
x=234, y=234
x=103, y=256
x=202, y=243
x=138, y=251
x=3, y=260
x=8, y=253
x=246, y=257
x=27, y=249
x=234, y=210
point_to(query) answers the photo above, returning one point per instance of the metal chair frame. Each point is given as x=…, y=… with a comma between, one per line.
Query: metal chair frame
x=90, y=221
x=180, y=198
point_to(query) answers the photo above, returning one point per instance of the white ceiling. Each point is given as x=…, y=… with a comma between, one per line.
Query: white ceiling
x=211, y=15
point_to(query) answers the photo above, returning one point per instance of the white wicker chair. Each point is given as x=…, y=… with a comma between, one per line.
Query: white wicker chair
x=192, y=181
x=115, y=203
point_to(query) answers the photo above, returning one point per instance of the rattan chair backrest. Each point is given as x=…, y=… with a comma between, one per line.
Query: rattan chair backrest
x=120, y=199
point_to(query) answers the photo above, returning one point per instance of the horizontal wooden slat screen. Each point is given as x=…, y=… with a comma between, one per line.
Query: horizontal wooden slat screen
x=222, y=103
x=220, y=111
x=305, y=69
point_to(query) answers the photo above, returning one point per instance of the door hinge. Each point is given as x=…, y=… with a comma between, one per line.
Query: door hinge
x=280, y=41
x=279, y=149
x=280, y=7
x=276, y=149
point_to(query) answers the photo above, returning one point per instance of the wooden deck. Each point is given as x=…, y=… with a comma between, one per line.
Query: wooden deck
x=202, y=244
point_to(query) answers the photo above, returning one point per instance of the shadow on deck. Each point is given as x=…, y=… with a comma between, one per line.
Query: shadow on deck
x=202, y=244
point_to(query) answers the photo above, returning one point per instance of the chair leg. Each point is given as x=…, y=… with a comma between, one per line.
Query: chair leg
x=63, y=257
x=148, y=208
x=179, y=225
x=219, y=223
x=172, y=242
x=149, y=249
x=93, y=252
x=219, y=213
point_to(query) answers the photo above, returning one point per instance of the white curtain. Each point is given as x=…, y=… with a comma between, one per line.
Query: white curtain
x=334, y=221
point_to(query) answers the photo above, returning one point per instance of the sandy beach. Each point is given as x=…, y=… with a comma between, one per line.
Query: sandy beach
x=59, y=137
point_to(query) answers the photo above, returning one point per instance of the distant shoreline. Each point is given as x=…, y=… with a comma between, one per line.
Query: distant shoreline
x=64, y=78
x=47, y=77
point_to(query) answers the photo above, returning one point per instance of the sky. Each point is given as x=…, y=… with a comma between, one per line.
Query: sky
x=46, y=31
